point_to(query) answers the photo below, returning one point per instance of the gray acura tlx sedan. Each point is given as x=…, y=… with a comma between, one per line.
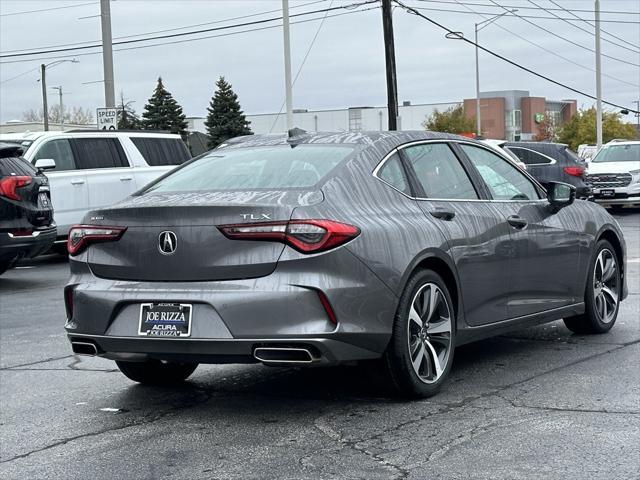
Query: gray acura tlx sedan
x=327, y=248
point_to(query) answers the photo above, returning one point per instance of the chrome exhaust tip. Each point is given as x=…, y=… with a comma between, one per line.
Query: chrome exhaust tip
x=273, y=355
x=84, y=348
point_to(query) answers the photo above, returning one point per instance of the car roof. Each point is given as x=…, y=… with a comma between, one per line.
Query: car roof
x=622, y=142
x=299, y=137
x=88, y=133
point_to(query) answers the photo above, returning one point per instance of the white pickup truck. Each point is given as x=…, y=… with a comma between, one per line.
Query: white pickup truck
x=96, y=169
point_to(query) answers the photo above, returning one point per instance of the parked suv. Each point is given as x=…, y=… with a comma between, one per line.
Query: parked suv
x=26, y=214
x=95, y=169
x=614, y=174
x=552, y=162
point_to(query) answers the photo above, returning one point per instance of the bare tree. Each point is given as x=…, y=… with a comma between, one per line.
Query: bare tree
x=75, y=116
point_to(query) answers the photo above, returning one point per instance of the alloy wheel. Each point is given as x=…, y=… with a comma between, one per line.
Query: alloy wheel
x=429, y=332
x=606, y=286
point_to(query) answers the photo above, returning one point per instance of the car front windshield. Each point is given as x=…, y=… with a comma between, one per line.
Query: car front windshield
x=619, y=153
x=279, y=167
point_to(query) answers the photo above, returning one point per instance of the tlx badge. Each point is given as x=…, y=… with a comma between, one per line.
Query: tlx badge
x=255, y=216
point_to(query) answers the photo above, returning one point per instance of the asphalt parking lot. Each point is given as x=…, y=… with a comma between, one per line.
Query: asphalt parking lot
x=539, y=403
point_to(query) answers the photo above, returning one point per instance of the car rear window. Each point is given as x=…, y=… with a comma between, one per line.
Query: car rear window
x=280, y=167
x=619, y=153
x=162, y=151
x=16, y=166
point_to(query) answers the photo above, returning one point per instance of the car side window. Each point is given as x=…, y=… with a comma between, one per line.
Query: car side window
x=530, y=157
x=162, y=151
x=60, y=151
x=393, y=173
x=439, y=172
x=99, y=153
x=504, y=180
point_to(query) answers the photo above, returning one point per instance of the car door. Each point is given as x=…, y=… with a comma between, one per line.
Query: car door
x=546, y=242
x=68, y=184
x=109, y=176
x=476, y=231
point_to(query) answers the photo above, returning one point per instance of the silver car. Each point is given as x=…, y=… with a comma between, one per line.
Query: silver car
x=326, y=248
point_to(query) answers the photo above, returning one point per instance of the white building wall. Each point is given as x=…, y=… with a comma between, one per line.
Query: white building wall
x=370, y=119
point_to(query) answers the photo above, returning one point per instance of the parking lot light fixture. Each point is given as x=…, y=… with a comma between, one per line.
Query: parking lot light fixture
x=459, y=36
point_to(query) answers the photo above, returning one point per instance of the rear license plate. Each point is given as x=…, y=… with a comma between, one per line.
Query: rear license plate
x=608, y=193
x=165, y=320
x=43, y=201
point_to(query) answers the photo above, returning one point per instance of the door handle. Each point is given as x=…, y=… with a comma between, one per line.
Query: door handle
x=126, y=179
x=517, y=222
x=442, y=214
x=77, y=181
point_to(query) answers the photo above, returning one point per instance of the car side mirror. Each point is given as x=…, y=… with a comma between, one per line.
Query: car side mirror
x=560, y=194
x=45, y=164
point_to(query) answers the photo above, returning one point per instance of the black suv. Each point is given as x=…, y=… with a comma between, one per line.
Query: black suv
x=552, y=162
x=26, y=215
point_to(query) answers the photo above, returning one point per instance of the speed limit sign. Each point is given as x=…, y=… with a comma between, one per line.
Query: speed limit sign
x=107, y=118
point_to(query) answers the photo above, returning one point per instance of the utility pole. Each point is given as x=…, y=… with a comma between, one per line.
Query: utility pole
x=287, y=64
x=598, y=78
x=478, y=122
x=390, y=59
x=61, y=107
x=45, y=108
x=107, y=54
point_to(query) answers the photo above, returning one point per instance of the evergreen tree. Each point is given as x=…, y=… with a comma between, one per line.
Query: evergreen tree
x=225, y=118
x=162, y=112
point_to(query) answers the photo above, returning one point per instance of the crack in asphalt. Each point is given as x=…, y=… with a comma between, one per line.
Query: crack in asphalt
x=514, y=403
x=17, y=369
x=402, y=473
x=51, y=359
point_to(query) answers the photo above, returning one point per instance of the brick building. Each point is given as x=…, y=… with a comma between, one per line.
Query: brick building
x=516, y=115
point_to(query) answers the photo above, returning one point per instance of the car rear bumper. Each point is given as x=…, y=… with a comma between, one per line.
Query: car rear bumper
x=618, y=199
x=230, y=319
x=32, y=245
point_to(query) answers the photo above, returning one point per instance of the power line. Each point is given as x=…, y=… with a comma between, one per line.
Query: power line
x=416, y=12
x=584, y=29
x=48, y=9
x=564, y=38
x=524, y=7
x=192, y=39
x=536, y=17
x=591, y=24
x=548, y=50
x=215, y=22
x=194, y=32
x=19, y=75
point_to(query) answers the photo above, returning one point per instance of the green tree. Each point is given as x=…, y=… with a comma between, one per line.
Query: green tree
x=452, y=120
x=127, y=117
x=225, y=118
x=162, y=112
x=582, y=128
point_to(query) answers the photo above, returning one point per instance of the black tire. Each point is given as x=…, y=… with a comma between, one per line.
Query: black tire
x=616, y=208
x=592, y=320
x=59, y=249
x=398, y=358
x=155, y=372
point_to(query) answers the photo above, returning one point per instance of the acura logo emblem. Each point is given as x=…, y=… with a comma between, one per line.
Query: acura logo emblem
x=167, y=242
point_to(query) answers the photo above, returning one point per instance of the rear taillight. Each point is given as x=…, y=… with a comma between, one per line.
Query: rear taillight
x=306, y=236
x=574, y=171
x=81, y=236
x=9, y=185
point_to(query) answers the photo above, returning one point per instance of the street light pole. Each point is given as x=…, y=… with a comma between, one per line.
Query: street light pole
x=478, y=121
x=287, y=64
x=61, y=107
x=43, y=81
x=598, y=78
x=45, y=109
